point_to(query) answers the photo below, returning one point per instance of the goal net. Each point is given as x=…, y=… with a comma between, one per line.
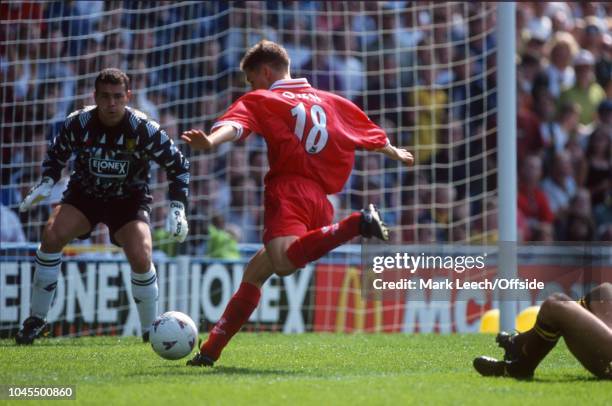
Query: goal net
x=424, y=71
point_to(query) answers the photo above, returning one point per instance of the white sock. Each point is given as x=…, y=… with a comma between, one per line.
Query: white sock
x=144, y=290
x=45, y=282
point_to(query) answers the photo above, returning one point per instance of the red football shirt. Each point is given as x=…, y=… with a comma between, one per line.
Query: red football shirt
x=309, y=132
x=534, y=204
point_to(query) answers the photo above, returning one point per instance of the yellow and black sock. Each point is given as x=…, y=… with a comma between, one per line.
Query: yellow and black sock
x=546, y=332
x=585, y=301
x=535, y=344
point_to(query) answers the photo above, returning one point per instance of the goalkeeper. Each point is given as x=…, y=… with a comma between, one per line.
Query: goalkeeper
x=113, y=145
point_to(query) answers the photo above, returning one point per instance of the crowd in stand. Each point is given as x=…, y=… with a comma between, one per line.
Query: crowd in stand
x=424, y=71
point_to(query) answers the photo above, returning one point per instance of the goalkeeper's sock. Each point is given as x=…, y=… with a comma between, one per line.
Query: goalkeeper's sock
x=316, y=243
x=45, y=281
x=585, y=302
x=533, y=345
x=145, y=292
x=237, y=312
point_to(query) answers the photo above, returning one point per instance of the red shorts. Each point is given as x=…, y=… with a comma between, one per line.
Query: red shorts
x=294, y=206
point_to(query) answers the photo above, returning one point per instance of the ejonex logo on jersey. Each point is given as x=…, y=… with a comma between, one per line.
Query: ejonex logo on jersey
x=108, y=168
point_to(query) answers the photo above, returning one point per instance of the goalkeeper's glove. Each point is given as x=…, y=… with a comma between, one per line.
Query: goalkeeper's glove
x=37, y=194
x=176, y=224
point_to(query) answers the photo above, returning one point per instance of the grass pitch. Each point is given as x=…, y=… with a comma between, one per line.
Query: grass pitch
x=317, y=369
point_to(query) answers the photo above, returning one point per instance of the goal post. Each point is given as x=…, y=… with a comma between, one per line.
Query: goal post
x=424, y=71
x=507, y=162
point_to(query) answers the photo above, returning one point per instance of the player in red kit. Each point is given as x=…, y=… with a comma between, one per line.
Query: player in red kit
x=311, y=137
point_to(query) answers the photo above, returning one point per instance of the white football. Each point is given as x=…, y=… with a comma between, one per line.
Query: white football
x=173, y=335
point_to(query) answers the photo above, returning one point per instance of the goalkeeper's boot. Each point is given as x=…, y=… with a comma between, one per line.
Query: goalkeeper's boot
x=372, y=224
x=33, y=327
x=487, y=366
x=145, y=337
x=200, y=360
x=507, y=341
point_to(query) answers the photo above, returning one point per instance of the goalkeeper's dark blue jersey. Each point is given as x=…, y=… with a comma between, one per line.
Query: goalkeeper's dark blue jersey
x=114, y=162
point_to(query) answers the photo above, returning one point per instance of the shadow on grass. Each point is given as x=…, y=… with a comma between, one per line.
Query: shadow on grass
x=68, y=342
x=182, y=369
x=569, y=379
x=544, y=379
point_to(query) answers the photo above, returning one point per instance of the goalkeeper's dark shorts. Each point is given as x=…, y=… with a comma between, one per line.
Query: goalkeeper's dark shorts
x=114, y=213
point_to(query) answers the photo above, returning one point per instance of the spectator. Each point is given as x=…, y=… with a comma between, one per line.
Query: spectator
x=210, y=74
x=48, y=115
x=603, y=66
x=34, y=220
x=428, y=100
x=529, y=140
x=428, y=233
x=545, y=109
x=319, y=69
x=560, y=16
x=383, y=98
x=140, y=89
x=532, y=201
x=258, y=165
x=449, y=164
x=593, y=36
x=599, y=164
x=540, y=25
x=74, y=24
x=527, y=71
x=21, y=63
x=295, y=39
x=205, y=195
x=412, y=28
x=350, y=69
x=535, y=44
x=408, y=220
x=388, y=41
x=460, y=221
x=579, y=207
x=222, y=239
x=365, y=24
x=602, y=213
x=331, y=16
x=605, y=232
x=580, y=228
x=17, y=11
x=560, y=71
x=170, y=122
x=11, y=230
x=485, y=225
x=556, y=134
x=604, y=112
x=247, y=27
x=243, y=210
x=162, y=241
x=586, y=92
x=441, y=211
x=480, y=44
x=466, y=92
x=115, y=52
x=560, y=186
x=53, y=68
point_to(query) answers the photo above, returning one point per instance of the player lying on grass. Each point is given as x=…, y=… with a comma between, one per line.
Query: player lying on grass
x=586, y=328
x=311, y=137
x=113, y=145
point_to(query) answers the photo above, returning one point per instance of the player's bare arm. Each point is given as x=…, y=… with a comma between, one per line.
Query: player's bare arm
x=199, y=140
x=397, y=154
